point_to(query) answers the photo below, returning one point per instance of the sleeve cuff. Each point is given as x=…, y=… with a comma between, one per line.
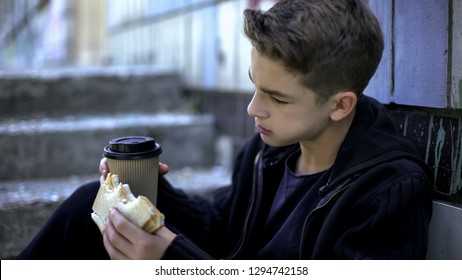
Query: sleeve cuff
x=183, y=249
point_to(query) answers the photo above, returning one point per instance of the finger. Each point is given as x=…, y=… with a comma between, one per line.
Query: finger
x=103, y=167
x=114, y=254
x=108, y=234
x=123, y=234
x=163, y=168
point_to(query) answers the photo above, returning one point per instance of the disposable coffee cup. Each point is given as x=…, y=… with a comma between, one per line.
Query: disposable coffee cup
x=135, y=159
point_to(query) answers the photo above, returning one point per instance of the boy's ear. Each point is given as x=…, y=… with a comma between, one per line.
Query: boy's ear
x=345, y=103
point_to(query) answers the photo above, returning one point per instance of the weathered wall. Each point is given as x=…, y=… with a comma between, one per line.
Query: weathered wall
x=421, y=65
x=438, y=135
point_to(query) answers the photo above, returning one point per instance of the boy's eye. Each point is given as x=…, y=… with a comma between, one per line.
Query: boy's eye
x=278, y=100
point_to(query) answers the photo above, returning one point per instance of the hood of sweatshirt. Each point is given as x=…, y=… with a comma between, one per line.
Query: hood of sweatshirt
x=372, y=140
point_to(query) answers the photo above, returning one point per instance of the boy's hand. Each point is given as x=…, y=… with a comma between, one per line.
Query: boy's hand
x=124, y=240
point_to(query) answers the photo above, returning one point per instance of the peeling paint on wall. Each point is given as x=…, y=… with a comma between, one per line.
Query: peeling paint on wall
x=444, y=153
x=456, y=185
x=457, y=163
x=441, y=136
x=460, y=93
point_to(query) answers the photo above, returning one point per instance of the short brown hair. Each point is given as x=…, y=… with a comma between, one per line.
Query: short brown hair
x=335, y=44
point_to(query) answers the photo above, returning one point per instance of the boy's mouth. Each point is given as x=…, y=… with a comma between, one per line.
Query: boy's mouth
x=262, y=130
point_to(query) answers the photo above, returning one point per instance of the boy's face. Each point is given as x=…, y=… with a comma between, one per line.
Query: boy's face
x=285, y=112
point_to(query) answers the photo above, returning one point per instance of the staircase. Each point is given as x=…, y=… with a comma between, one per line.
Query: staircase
x=55, y=124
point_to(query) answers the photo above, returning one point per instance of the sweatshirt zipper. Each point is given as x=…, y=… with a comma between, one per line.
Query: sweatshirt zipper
x=346, y=184
x=250, y=209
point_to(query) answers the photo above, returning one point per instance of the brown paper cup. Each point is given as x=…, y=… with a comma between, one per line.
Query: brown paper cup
x=135, y=159
x=140, y=174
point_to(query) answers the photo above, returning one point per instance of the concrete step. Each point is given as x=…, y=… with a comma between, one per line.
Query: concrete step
x=25, y=205
x=88, y=91
x=59, y=147
x=55, y=124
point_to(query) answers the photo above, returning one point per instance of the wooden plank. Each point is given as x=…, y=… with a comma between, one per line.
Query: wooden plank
x=421, y=40
x=380, y=86
x=456, y=77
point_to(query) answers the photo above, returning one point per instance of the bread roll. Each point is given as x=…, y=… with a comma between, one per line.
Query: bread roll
x=139, y=210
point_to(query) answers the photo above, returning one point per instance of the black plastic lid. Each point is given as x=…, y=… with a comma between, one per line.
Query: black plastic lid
x=132, y=147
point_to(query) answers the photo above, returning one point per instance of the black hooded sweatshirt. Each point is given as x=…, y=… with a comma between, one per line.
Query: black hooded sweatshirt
x=376, y=204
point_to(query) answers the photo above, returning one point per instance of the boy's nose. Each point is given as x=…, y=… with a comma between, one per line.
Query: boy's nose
x=256, y=107
x=252, y=107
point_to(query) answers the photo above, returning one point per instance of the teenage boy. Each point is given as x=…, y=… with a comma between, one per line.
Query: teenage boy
x=326, y=176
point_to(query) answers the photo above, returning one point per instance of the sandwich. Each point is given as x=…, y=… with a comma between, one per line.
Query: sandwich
x=139, y=210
